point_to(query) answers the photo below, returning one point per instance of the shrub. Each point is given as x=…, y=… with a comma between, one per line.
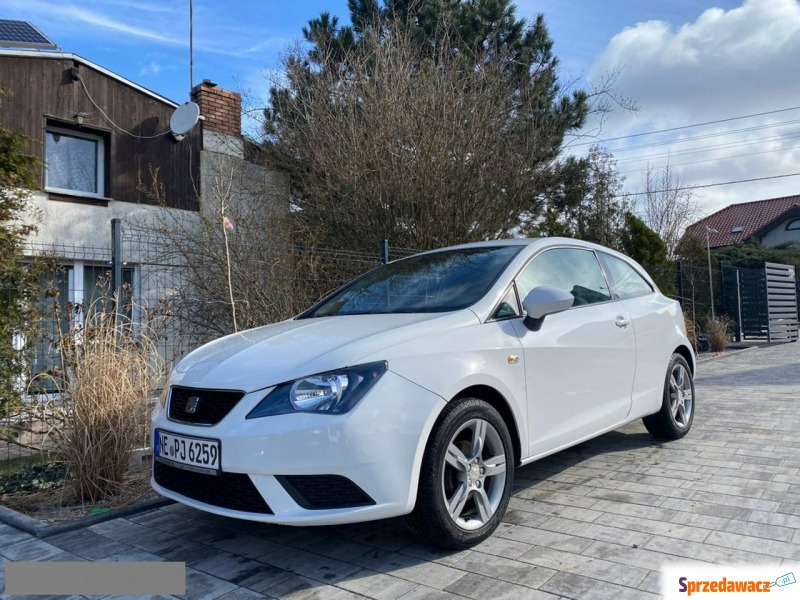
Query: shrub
x=18, y=173
x=691, y=328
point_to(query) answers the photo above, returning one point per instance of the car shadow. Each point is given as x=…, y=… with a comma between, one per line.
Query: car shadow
x=613, y=446
x=279, y=560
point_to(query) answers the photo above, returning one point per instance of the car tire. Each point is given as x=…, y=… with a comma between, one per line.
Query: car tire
x=674, y=420
x=466, y=477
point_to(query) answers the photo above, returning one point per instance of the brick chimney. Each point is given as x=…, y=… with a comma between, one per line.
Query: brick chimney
x=222, y=109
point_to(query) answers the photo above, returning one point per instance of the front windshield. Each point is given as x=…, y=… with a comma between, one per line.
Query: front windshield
x=436, y=282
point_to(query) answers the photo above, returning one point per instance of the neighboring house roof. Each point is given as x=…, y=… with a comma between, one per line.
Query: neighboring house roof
x=74, y=57
x=739, y=222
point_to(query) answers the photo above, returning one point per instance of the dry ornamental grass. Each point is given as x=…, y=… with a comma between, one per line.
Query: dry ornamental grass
x=718, y=330
x=92, y=411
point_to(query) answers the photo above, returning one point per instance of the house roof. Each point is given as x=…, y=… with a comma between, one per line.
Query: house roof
x=74, y=57
x=751, y=217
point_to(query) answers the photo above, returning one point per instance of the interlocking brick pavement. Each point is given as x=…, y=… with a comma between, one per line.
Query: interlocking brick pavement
x=595, y=521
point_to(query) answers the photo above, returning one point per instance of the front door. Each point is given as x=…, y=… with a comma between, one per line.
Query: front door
x=580, y=364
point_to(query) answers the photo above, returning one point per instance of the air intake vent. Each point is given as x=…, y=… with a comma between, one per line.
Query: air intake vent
x=226, y=490
x=318, y=492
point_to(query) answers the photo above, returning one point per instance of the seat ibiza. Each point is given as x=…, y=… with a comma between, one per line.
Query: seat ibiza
x=419, y=387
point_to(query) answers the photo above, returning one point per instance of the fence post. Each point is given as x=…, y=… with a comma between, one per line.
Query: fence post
x=384, y=251
x=116, y=261
x=740, y=328
x=766, y=302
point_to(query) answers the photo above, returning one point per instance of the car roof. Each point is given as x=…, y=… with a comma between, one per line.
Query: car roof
x=539, y=241
x=535, y=244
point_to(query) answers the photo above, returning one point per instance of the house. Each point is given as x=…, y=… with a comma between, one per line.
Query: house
x=771, y=222
x=761, y=301
x=101, y=138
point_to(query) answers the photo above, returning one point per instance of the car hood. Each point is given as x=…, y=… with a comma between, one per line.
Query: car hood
x=266, y=356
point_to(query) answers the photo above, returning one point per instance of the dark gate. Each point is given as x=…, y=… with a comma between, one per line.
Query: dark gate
x=761, y=302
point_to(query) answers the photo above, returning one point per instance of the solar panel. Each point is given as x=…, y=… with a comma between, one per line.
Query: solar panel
x=21, y=34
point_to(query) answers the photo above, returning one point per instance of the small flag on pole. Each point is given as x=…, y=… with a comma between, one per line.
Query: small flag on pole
x=227, y=223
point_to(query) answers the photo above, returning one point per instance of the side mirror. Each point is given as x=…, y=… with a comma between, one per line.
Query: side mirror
x=542, y=301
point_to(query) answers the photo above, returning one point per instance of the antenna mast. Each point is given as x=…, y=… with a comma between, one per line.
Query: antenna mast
x=191, y=48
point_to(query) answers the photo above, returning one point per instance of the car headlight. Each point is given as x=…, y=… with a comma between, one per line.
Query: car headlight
x=334, y=392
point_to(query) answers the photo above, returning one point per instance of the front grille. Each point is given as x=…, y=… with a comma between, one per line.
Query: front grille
x=317, y=492
x=226, y=490
x=210, y=406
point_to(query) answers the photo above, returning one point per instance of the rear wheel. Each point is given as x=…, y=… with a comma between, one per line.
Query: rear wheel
x=466, y=478
x=675, y=418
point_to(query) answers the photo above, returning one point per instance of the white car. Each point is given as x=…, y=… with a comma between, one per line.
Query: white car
x=418, y=388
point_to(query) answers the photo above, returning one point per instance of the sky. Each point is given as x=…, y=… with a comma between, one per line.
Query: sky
x=684, y=63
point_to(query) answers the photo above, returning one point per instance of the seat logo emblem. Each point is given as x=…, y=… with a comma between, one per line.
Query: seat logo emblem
x=191, y=404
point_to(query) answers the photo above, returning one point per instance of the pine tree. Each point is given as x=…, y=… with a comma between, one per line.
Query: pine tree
x=645, y=246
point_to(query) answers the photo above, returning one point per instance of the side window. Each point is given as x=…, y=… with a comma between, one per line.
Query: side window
x=508, y=306
x=625, y=281
x=572, y=269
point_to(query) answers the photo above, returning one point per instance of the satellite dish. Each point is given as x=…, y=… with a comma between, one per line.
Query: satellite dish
x=184, y=118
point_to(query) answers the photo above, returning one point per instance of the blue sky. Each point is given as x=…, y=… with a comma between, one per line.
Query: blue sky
x=682, y=61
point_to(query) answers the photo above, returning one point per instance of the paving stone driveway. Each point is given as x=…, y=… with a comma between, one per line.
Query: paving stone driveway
x=596, y=521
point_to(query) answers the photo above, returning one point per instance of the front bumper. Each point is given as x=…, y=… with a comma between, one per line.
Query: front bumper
x=378, y=446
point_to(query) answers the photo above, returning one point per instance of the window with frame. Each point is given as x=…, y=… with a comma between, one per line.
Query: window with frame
x=793, y=225
x=74, y=162
x=626, y=282
x=572, y=269
x=66, y=294
x=97, y=287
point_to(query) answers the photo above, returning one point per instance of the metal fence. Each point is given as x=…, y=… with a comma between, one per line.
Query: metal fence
x=141, y=262
x=152, y=276
x=154, y=281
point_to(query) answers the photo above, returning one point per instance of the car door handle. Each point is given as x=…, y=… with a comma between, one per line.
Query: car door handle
x=622, y=322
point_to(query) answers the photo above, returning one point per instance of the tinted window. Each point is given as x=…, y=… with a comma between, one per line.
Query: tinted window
x=436, y=282
x=571, y=269
x=625, y=281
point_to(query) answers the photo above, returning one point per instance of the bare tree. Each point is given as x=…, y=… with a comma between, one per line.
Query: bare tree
x=667, y=205
x=232, y=265
x=415, y=143
x=584, y=201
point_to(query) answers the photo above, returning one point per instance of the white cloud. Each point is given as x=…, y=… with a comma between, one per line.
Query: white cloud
x=102, y=21
x=724, y=64
x=150, y=7
x=216, y=31
x=123, y=18
x=154, y=67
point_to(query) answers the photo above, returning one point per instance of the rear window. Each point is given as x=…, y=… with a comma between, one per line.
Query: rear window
x=626, y=282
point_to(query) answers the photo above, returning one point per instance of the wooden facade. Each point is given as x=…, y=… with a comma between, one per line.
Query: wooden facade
x=48, y=90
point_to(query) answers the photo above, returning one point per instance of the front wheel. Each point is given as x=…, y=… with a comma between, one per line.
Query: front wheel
x=675, y=418
x=466, y=478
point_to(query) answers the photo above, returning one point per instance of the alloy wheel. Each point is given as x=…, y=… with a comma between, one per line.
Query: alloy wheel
x=681, y=397
x=473, y=478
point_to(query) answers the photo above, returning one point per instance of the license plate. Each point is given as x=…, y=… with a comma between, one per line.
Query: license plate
x=187, y=452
